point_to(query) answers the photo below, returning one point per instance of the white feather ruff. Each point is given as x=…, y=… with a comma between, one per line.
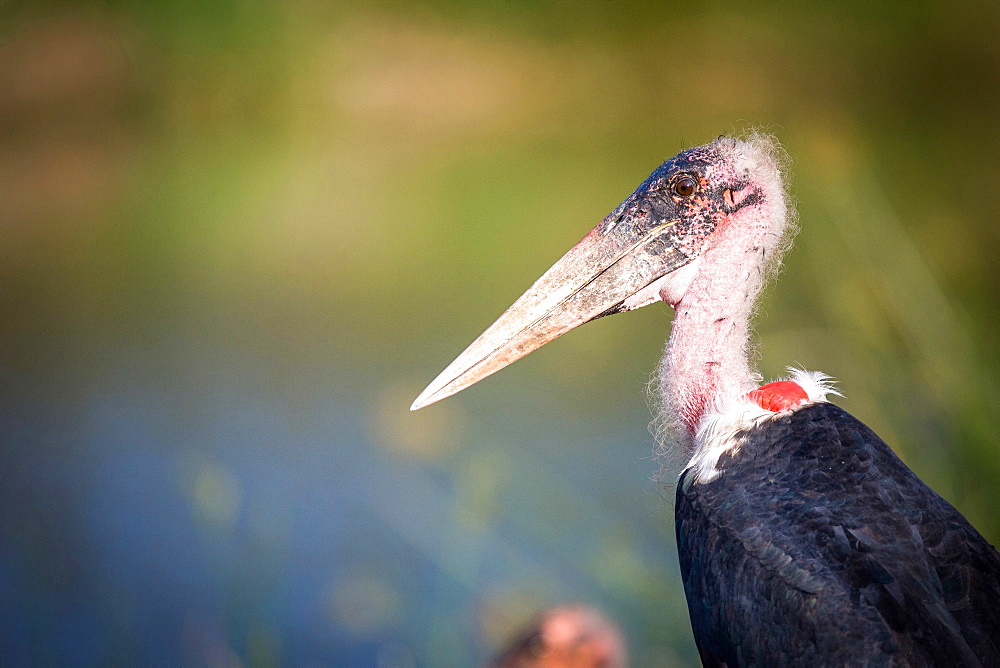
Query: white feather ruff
x=722, y=430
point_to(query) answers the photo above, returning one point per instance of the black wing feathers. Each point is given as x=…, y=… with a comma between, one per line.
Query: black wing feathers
x=818, y=546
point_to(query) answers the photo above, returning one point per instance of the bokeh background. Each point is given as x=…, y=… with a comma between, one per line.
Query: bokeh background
x=238, y=238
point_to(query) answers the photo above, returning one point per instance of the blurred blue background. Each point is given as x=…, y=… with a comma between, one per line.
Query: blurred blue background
x=238, y=238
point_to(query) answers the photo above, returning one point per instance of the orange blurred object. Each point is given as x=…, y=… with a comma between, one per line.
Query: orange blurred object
x=571, y=636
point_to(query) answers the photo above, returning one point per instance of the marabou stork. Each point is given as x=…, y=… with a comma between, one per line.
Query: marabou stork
x=803, y=539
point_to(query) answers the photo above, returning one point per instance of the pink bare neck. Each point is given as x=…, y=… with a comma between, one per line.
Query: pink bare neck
x=707, y=359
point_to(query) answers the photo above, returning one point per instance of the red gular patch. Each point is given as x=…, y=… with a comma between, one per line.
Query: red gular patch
x=778, y=396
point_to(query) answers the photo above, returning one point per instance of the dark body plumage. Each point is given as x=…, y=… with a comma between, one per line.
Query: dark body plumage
x=818, y=546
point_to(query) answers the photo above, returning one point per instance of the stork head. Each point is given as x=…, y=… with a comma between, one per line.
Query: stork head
x=643, y=251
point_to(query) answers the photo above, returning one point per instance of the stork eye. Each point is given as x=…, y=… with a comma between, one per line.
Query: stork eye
x=685, y=186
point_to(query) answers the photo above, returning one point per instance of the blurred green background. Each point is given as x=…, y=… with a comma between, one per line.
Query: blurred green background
x=238, y=238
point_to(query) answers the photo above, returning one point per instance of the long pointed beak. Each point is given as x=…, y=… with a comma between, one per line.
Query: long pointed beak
x=616, y=260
